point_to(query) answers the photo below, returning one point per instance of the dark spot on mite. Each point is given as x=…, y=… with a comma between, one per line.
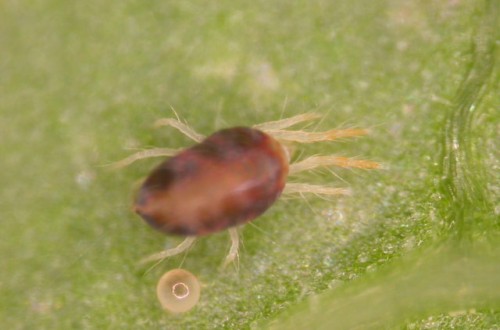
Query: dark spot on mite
x=160, y=178
x=149, y=220
x=184, y=231
x=212, y=226
x=230, y=143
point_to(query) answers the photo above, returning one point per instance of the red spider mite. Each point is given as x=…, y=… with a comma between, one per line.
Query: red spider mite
x=229, y=178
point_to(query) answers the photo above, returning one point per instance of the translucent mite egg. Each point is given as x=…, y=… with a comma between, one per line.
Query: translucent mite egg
x=178, y=291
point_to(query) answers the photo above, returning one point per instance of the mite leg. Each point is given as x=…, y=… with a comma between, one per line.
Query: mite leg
x=181, y=127
x=324, y=161
x=299, y=188
x=155, y=152
x=287, y=122
x=233, y=251
x=161, y=152
x=186, y=244
x=310, y=137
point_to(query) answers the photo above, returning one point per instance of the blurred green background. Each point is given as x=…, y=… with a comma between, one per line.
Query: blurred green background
x=415, y=247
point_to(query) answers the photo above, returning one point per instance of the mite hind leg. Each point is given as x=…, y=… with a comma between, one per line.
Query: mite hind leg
x=143, y=154
x=161, y=152
x=181, y=127
x=184, y=246
x=233, y=250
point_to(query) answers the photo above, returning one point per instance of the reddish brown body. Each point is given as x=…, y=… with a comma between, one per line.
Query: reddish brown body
x=230, y=178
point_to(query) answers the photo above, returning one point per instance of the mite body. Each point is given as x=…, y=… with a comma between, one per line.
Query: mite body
x=229, y=178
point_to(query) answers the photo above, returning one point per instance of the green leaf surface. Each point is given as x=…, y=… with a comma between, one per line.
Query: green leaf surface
x=416, y=246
